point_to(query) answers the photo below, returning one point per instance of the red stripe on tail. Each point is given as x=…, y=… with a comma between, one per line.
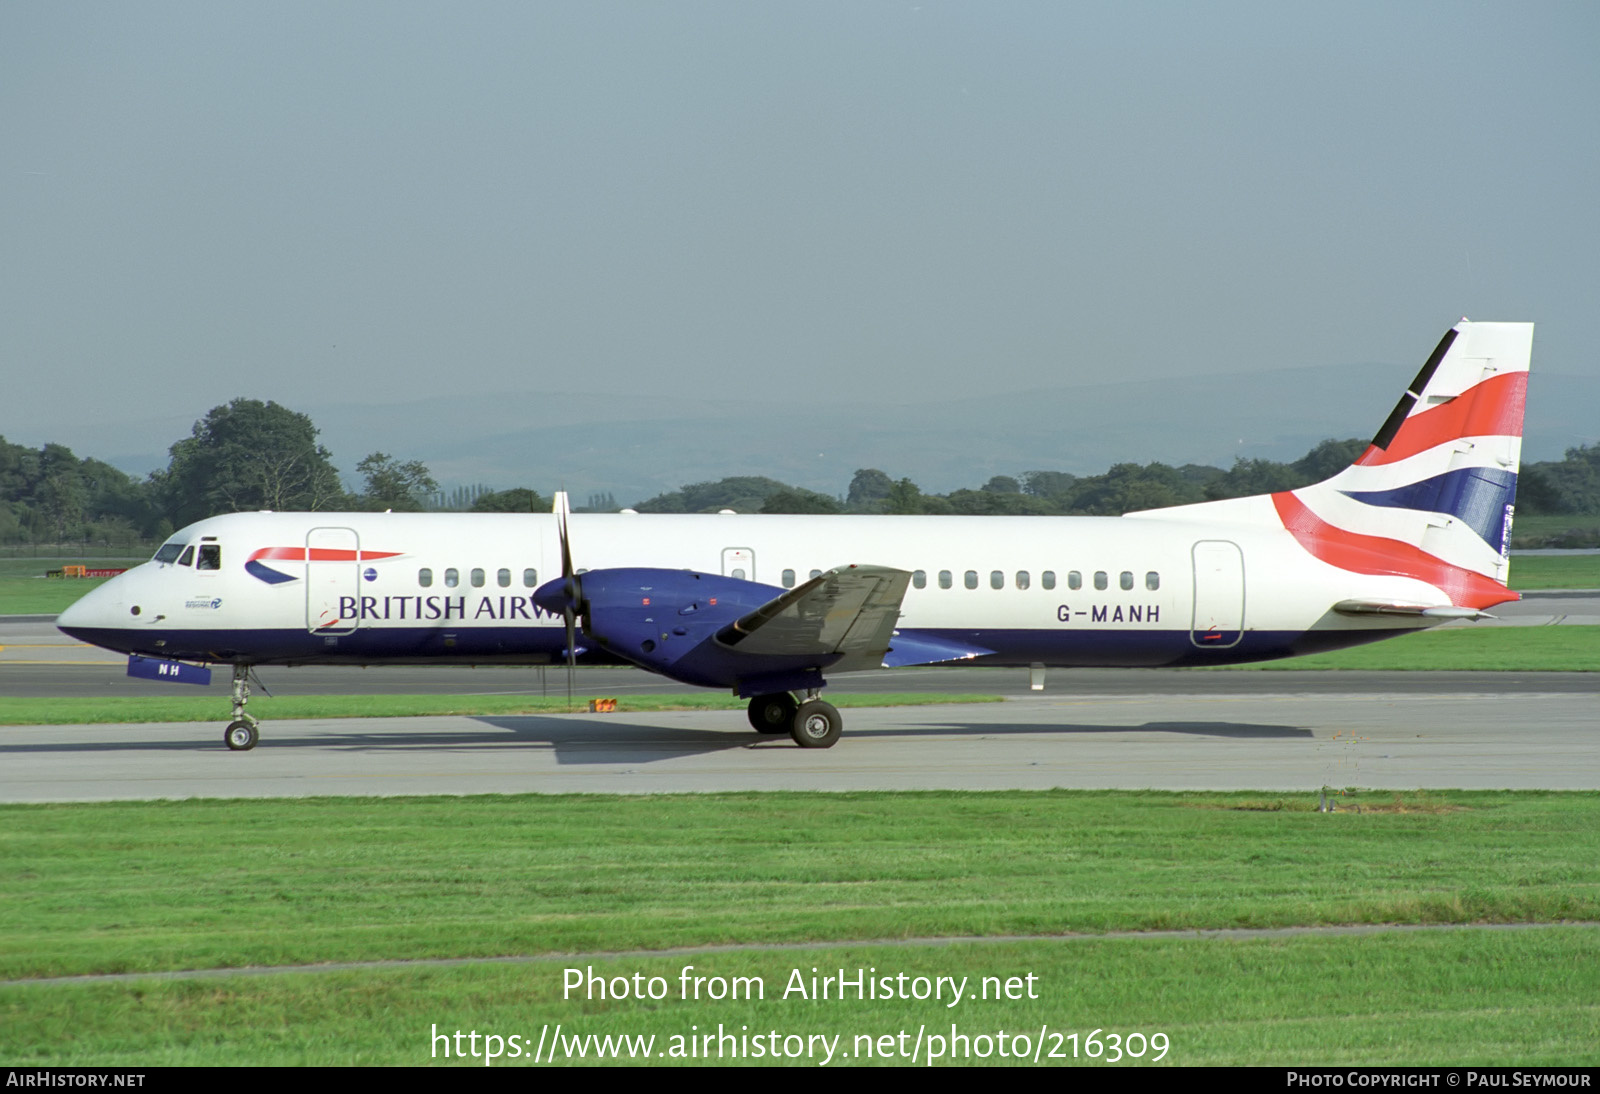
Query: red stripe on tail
x=1378, y=556
x=1492, y=408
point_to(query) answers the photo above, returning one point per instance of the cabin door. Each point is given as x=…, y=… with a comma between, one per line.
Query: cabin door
x=1218, y=594
x=333, y=580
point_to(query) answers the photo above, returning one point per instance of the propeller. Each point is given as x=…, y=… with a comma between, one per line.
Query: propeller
x=571, y=588
x=565, y=595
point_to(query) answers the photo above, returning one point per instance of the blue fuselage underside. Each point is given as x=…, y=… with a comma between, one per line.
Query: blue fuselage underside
x=1082, y=648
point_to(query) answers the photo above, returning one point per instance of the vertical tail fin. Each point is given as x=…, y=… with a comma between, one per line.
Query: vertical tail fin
x=1433, y=495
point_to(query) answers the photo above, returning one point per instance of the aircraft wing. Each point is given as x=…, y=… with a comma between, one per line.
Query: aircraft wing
x=851, y=610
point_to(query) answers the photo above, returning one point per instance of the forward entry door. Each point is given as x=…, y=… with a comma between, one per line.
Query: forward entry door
x=333, y=580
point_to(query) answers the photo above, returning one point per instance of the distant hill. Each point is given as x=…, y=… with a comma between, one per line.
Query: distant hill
x=638, y=446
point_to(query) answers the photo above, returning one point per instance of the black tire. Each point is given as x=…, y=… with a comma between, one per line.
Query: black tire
x=773, y=713
x=240, y=736
x=816, y=725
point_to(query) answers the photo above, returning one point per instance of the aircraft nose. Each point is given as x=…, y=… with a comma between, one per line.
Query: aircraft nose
x=74, y=618
x=95, y=611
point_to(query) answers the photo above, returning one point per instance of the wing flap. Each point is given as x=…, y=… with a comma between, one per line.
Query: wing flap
x=851, y=611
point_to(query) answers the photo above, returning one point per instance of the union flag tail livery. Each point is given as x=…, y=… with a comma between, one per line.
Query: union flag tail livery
x=1432, y=497
x=1414, y=533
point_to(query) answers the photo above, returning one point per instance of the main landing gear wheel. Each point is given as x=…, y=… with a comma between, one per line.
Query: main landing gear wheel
x=816, y=725
x=241, y=736
x=773, y=713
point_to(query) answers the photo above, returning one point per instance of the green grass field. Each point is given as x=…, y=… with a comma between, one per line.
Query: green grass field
x=25, y=590
x=1522, y=997
x=200, y=884
x=1533, y=572
x=1463, y=649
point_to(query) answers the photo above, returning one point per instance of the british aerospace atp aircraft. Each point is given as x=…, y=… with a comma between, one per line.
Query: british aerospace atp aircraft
x=1414, y=533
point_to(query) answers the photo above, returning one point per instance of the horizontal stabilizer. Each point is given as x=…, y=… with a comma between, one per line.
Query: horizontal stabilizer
x=1416, y=611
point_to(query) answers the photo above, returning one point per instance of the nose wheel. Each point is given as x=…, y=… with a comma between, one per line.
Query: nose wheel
x=241, y=736
x=242, y=733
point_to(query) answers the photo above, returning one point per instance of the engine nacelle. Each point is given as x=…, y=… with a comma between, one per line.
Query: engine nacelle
x=668, y=621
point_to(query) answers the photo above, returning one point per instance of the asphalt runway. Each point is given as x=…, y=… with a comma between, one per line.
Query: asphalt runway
x=1268, y=739
x=1158, y=729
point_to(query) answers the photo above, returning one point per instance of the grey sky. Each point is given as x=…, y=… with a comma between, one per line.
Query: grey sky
x=381, y=202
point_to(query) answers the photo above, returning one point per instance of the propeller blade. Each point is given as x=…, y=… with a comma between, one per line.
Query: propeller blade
x=572, y=657
x=572, y=588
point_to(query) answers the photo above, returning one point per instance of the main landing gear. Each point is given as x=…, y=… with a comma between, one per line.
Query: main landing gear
x=813, y=723
x=242, y=733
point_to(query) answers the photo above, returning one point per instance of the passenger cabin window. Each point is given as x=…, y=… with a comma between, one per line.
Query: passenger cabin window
x=169, y=552
x=452, y=578
x=738, y=573
x=1152, y=581
x=1074, y=580
x=919, y=579
x=945, y=579
x=502, y=578
x=530, y=578
x=1100, y=580
x=477, y=577
x=1023, y=581
x=1047, y=580
x=816, y=573
x=788, y=579
x=210, y=557
x=997, y=579
x=970, y=579
x=187, y=557
x=1126, y=579
x=425, y=578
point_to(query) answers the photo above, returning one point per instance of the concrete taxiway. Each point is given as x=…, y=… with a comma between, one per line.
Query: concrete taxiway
x=1270, y=740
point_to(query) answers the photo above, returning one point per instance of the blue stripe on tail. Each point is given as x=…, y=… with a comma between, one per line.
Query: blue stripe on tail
x=1477, y=496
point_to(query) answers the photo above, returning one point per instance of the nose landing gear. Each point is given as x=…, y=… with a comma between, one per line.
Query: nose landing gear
x=242, y=733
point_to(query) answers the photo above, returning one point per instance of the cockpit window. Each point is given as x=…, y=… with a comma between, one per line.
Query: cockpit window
x=210, y=557
x=187, y=557
x=169, y=551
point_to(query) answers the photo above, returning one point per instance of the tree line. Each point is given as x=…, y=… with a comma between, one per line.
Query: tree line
x=244, y=455
x=249, y=455
x=1568, y=486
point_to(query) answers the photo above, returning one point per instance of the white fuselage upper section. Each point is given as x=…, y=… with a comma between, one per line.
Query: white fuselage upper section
x=346, y=577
